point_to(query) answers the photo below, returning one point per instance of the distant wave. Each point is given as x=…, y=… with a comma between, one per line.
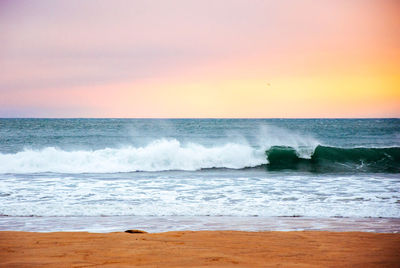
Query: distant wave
x=333, y=159
x=164, y=155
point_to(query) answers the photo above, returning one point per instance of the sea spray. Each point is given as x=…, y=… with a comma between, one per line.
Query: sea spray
x=269, y=136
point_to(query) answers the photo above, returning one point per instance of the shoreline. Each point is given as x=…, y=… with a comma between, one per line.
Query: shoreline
x=200, y=248
x=158, y=224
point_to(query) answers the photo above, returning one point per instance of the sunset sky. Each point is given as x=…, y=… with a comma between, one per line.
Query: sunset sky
x=208, y=58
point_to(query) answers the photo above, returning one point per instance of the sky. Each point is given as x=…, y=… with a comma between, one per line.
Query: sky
x=200, y=59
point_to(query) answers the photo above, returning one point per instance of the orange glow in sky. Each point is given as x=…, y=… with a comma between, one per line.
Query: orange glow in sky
x=190, y=59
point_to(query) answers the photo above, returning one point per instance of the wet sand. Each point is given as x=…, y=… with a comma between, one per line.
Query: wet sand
x=200, y=248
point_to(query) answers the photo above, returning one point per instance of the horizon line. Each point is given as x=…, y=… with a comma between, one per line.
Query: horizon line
x=200, y=118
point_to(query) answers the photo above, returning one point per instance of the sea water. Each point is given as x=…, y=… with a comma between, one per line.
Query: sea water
x=199, y=174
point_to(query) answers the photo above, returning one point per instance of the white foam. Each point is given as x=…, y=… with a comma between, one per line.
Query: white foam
x=159, y=155
x=226, y=193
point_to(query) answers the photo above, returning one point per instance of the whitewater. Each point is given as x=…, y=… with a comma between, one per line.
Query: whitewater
x=159, y=155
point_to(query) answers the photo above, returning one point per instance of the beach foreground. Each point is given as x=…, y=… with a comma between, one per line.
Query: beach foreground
x=200, y=248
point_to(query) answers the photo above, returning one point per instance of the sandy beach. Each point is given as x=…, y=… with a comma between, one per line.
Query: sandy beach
x=200, y=248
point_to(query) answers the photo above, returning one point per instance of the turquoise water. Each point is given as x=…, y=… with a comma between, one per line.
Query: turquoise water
x=204, y=168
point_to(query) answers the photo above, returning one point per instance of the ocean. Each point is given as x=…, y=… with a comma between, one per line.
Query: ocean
x=103, y=175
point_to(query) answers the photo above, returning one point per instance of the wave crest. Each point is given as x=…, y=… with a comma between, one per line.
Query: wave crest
x=170, y=154
x=160, y=155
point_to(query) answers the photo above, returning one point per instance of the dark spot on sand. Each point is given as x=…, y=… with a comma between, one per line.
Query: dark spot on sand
x=135, y=232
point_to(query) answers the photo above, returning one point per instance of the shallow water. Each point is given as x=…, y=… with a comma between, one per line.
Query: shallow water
x=155, y=224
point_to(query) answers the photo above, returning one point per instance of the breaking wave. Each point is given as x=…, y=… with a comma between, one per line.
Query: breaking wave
x=160, y=155
x=165, y=155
